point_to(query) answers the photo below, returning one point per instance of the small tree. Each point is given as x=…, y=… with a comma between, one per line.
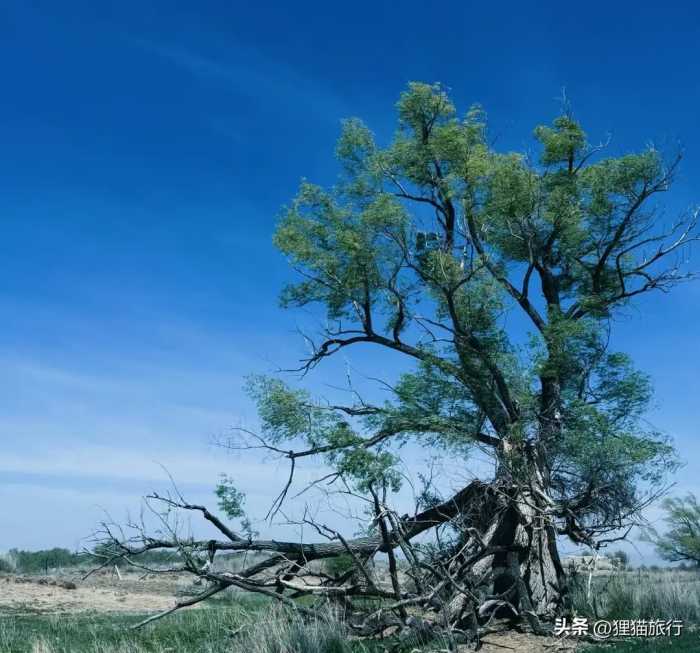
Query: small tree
x=681, y=542
x=619, y=558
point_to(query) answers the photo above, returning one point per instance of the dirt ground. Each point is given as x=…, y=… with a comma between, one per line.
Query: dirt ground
x=524, y=643
x=101, y=592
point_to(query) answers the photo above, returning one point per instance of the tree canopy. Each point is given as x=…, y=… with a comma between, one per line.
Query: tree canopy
x=426, y=246
x=496, y=276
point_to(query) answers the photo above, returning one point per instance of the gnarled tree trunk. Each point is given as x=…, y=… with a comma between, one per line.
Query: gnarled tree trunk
x=510, y=523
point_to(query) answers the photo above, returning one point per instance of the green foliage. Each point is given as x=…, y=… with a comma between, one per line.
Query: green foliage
x=564, y=142
x=620, y=558
x=287, y=415
x=433, y=407
x=681, y=540
x=230, y=499
x=31, y=562
x=49, y=560
x=425, y=245
x=368, y=468
x=323, y=236
x=103, y=552
x=339, y=565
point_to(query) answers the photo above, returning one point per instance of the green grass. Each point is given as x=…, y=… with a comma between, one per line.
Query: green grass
x=687, y=643
x=644, y=595
x=641, y=595
x=214, y=630
x=210, y=631
x=196, y=630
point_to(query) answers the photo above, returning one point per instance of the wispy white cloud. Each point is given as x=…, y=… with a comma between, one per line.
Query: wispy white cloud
x=82, y=481
x=147, y=464
x=250, y=73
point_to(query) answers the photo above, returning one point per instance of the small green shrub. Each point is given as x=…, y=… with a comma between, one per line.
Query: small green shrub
x=339, y=565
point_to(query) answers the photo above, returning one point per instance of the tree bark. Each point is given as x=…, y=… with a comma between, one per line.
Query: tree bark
x=525, y=570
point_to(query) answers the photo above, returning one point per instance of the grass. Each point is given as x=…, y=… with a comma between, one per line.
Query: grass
x=641, y=595
x=647, y=595
x=687, y=643
x=250, y=624
x=109, y=633
x=210, y=631
x=231, y=629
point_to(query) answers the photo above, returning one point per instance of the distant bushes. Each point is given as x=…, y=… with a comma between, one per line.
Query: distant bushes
x=33, y=562
x=45, y=561
x=102, y=553
x=6, y=566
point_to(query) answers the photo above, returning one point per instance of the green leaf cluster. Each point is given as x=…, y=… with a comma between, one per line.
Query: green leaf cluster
x=542, y=249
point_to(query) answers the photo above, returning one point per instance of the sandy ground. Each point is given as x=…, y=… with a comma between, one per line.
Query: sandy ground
x=100, y=593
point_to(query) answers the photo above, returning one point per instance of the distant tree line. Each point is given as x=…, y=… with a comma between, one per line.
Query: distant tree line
x=46, y=560
x=31, y=562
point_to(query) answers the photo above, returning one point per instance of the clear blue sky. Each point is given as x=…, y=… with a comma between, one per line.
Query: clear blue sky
x=146, y=152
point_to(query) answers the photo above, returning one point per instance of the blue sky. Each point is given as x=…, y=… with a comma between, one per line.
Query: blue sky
x=147, y=150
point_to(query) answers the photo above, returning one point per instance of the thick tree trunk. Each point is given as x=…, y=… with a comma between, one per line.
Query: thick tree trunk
x=537, y=562
x=525, y=570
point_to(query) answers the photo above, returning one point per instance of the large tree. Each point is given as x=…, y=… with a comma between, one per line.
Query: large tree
x=423, y=249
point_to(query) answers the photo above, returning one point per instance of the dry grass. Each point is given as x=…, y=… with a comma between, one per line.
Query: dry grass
x=637, y=594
